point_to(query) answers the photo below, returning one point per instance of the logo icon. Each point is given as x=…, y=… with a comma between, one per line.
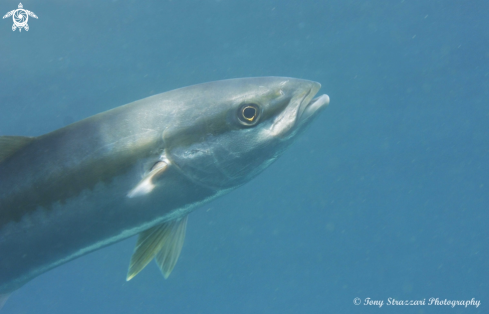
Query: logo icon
x=20, y=17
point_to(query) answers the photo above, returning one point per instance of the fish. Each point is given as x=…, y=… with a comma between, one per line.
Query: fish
x=140, y=169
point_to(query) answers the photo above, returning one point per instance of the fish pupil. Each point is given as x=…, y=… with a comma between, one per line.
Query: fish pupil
x=249, y=113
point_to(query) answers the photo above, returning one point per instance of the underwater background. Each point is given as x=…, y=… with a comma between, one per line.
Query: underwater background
x=386, y=195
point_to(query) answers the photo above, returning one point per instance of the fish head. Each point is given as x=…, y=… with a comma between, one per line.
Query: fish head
x=226, y=132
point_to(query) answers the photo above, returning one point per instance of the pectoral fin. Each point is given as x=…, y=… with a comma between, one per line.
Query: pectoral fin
x=9, y=145
x=168, y=256
x=164, y=242
x=146, y=185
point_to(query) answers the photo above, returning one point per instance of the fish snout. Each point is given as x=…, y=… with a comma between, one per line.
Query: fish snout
x=300, y=110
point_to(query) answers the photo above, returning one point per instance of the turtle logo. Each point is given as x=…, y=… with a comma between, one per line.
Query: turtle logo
x=20, y=17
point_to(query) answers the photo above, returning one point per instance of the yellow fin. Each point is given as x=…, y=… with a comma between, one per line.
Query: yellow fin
x=169, y=253
x=146, y=185
x=9, y=145
x=164, y=241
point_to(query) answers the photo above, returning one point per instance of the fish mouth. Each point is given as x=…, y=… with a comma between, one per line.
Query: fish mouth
x=314, y=106
x=301, y=109
x=309, y=106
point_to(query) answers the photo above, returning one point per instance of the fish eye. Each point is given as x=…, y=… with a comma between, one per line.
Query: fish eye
x=248, y=114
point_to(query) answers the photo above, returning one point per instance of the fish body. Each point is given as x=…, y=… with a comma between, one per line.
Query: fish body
x=140, y=169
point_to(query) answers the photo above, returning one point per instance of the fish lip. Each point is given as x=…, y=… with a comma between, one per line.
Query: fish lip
x=314, y=106
x=300, y=109
x=310, y=105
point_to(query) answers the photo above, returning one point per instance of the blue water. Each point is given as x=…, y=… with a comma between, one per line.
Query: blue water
x=386, y=195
